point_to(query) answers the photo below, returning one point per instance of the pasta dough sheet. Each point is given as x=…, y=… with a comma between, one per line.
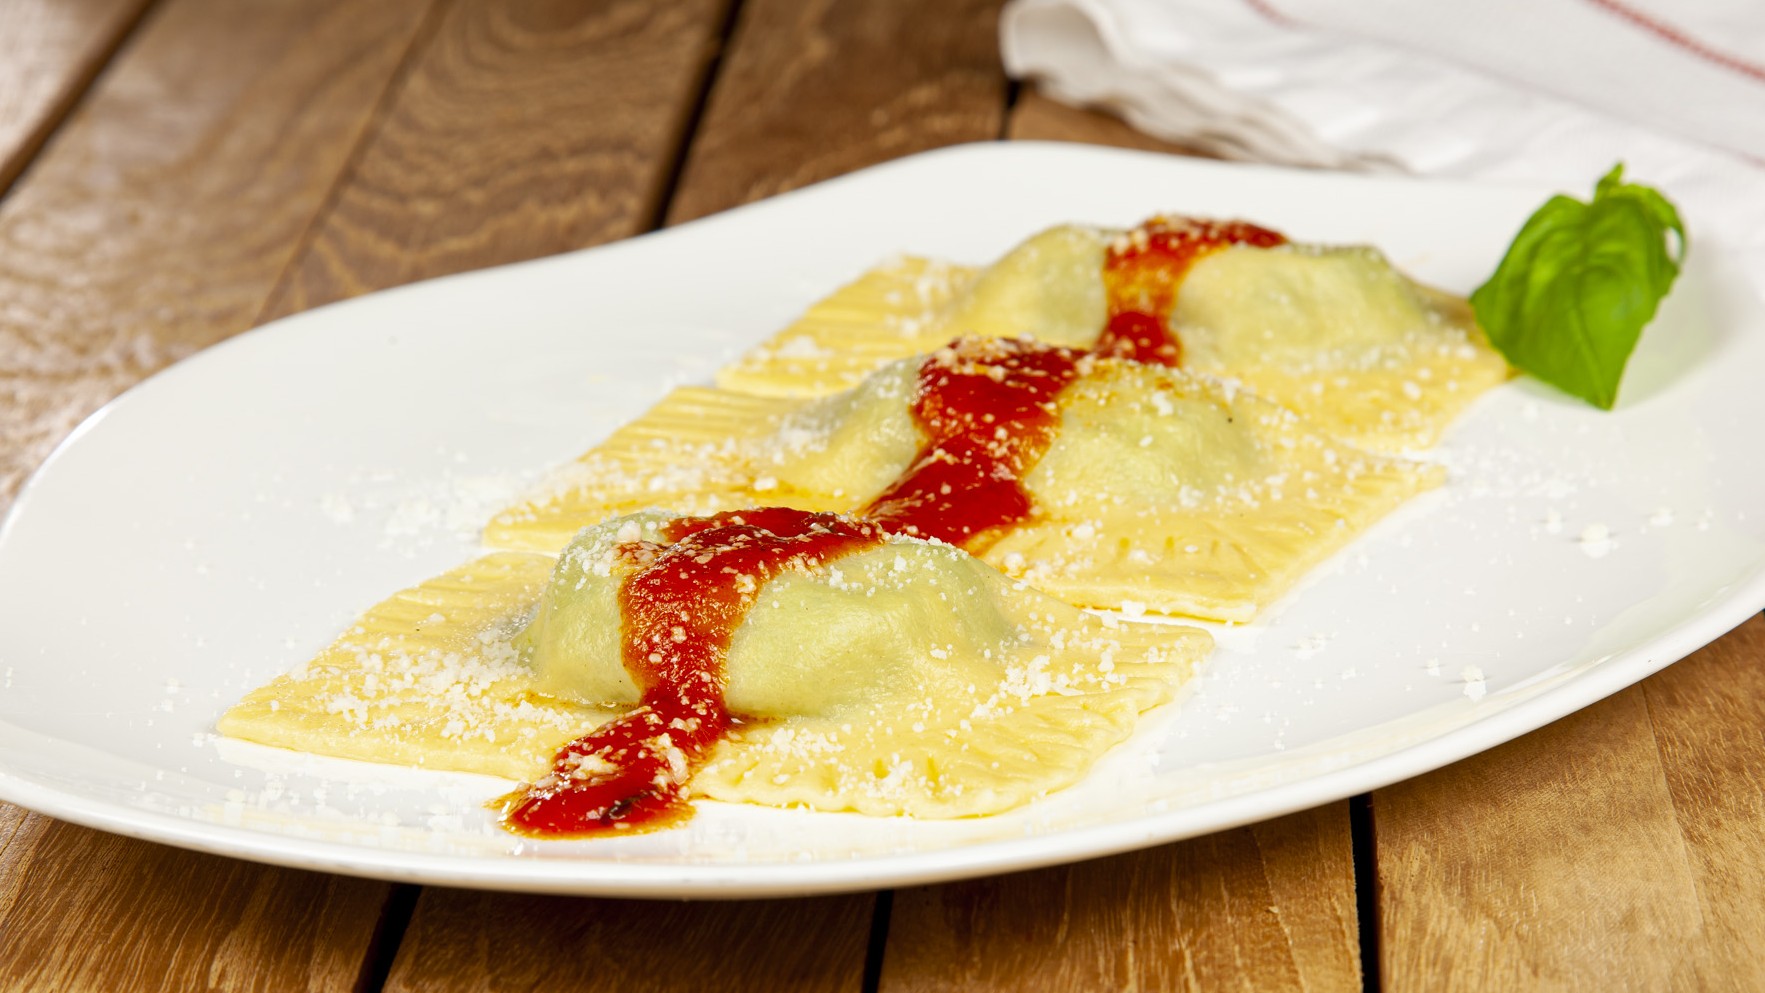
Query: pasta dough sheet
x=1336, y=334
x=863, y=688
x=427, y=678
x=1161, y=489
x=846, y=336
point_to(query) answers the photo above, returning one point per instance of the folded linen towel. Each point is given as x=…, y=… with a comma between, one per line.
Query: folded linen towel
x=1550, y=91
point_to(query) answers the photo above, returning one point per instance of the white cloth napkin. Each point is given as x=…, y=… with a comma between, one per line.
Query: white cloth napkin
x=1551, y=91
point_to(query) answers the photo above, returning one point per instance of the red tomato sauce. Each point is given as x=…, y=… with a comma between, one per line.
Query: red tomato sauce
x=1142, y=272
x=988, y=409
x=679, y=612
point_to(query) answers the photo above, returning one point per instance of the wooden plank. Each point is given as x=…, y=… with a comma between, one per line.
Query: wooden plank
x=1708, y=715
x=1617, y=848
x=175, y=196
x=513, y=133
x=12, y=819
x=811, y=90
x=522, y=130
x=157, y=222
x=91, y=911
x=1268, y=907
x=49, y=52
x=461, y=940
x=464, y=940
x=1660, y=789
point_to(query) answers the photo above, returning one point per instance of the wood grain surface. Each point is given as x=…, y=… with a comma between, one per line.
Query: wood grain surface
x=1618, y=848
x=811, y=89
x=162, y=213
x=177, y=920
x=155, y=222
x=463, y=941
x=518, y=130
x=1267, y=908
x=49, y=52
x=609, y=944
x=184, y=174
x=1708, y=717
x=507, y=139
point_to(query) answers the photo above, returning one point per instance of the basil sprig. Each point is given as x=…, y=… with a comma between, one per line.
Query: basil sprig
x=1579, y=283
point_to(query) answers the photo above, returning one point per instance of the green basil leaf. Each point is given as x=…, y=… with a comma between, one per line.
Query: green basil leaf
x=1580, y=282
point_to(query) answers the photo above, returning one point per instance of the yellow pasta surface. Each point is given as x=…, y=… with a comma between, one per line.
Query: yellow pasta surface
x=1161, y=489
x=887, y=313
x=915, y=678
x=1336, y=334
x=908, y=679
x=428, y=678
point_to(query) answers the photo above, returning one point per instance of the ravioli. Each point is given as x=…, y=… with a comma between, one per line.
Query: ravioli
x=1158, y=488
x=805, y=625
x=1334, y=333
x=904, y=678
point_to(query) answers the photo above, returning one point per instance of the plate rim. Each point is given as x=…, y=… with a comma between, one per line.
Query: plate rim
x=546, y=874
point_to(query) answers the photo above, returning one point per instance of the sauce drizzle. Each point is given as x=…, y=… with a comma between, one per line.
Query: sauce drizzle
x=679, y=611
x=987, y=407
x=1142, y=271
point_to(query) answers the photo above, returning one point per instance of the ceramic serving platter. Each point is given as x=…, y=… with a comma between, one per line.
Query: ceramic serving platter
x=224, y=520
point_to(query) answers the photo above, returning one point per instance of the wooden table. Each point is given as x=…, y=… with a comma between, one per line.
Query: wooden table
x=175, y=172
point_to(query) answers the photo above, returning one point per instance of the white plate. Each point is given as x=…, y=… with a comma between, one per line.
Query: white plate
x=224, y=520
